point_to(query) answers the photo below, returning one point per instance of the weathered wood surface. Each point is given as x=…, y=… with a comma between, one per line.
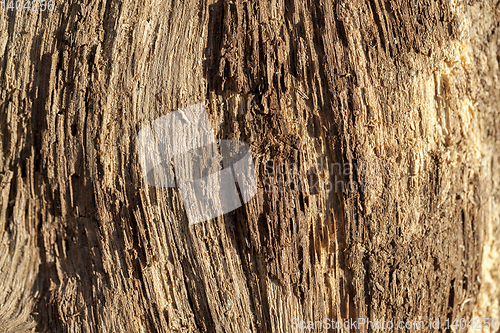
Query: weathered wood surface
x=403, y=92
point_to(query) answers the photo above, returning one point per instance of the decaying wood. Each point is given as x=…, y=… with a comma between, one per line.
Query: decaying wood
x=400, y=97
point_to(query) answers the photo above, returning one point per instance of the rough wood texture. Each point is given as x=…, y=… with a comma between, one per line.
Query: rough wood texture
x=401, y=96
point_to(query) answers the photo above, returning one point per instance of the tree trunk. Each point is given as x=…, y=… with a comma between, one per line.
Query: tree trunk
x=373, y=125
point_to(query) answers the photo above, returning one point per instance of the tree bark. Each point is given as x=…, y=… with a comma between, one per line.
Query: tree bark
x=374, y=132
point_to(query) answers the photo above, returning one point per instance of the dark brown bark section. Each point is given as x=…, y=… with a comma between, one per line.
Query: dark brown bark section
x=374, y=84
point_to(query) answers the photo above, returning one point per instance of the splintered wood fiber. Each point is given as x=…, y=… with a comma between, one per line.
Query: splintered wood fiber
x=374, y=131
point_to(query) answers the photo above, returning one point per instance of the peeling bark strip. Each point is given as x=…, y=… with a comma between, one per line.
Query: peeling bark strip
x=87, y=246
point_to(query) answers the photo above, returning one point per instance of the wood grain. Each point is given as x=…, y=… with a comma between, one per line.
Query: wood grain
x=398, y=98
